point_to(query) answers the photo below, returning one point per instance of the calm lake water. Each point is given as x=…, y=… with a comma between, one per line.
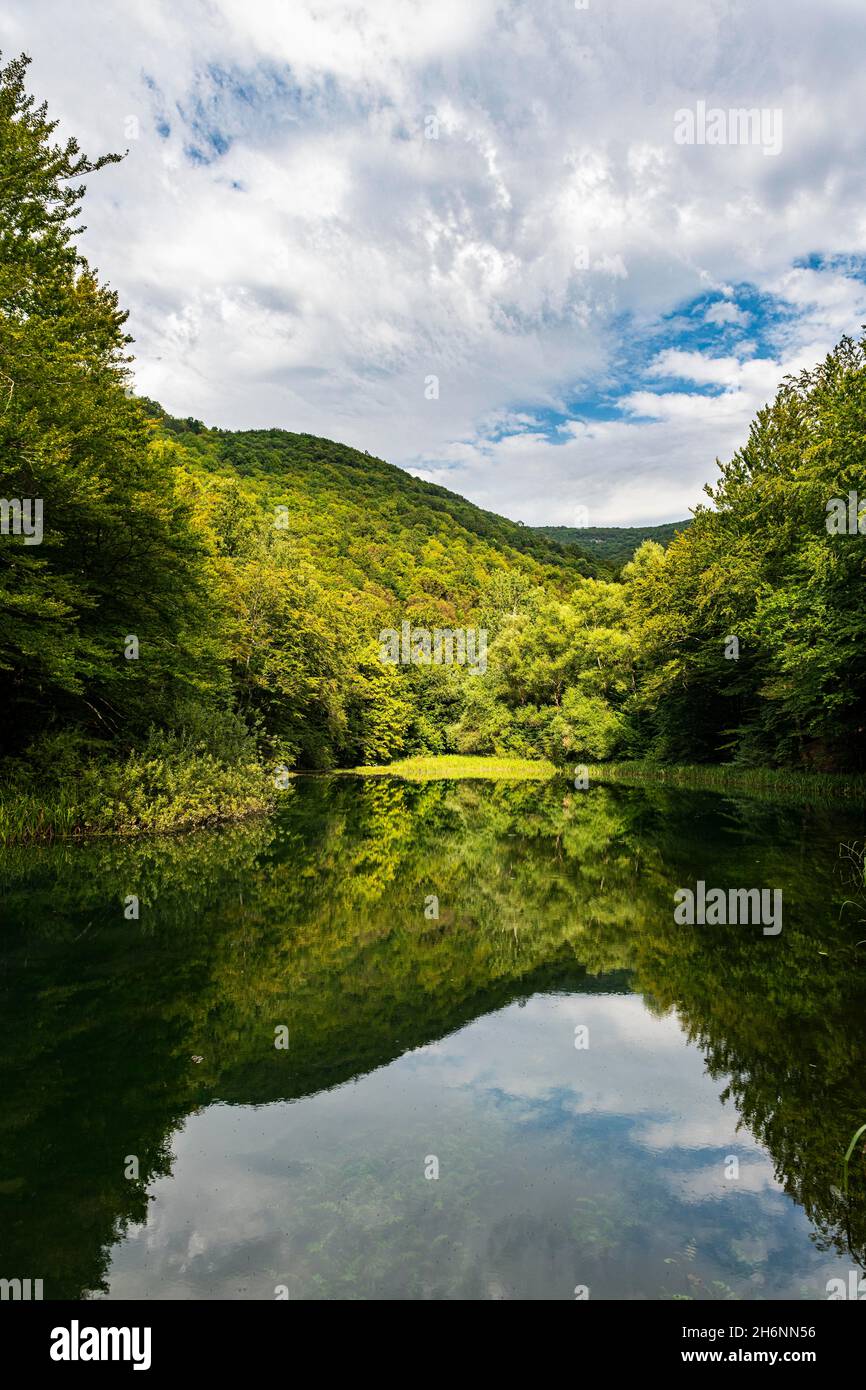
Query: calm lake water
x=691, y=1148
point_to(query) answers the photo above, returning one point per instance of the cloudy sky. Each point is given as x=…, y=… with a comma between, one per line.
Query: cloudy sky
x=327, y=204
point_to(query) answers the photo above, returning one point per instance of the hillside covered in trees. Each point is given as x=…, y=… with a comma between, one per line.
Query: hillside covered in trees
x=612, y=545
x=185, y=609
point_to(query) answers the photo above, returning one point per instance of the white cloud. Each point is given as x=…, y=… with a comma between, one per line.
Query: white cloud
x=724, y=312
x=328, y=256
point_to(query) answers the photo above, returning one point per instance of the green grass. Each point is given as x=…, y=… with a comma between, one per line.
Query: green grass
x=428, y=769
x=140, y=795
x=145, y=794
x=770, y=783
x=773, y=783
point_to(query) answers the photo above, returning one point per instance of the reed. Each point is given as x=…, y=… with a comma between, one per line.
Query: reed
x=777, y=784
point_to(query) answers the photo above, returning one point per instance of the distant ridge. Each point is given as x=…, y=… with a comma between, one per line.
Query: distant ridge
x=613, y=545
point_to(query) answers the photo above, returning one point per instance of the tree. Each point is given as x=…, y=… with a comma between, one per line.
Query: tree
x=762, y=566
x=120, y=555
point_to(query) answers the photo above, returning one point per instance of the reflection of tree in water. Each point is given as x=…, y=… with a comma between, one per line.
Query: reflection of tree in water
x=315, y=920
x=95, y=1035
x=782, y=1019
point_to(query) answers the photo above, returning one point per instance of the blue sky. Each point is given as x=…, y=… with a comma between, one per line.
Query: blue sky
x=325, y=204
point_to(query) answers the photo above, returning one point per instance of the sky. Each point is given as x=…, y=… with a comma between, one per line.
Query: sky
x=520, y=249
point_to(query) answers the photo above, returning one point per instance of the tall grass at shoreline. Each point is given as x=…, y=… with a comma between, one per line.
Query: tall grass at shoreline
x=444, y=766
x=151, y=794
x=777, y=784
x=141, y=795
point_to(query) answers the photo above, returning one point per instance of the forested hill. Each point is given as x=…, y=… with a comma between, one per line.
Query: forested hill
x=612, y=545
x=184, y=609
x=360, y=509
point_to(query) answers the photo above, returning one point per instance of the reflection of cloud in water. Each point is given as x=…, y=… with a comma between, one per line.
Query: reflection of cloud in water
x=636, y=1065
x=557, y=1165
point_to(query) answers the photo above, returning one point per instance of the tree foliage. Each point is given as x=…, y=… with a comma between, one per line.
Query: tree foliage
x=256, y=570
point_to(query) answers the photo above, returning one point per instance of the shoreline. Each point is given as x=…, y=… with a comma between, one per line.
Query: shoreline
x=24, y=824
x=774, y=784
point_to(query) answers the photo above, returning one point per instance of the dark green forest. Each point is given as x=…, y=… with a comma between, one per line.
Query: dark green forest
x=612, y=545
x=201, y=607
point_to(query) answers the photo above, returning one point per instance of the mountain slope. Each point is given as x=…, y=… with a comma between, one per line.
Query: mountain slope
x=369, y=525
x=612, y=545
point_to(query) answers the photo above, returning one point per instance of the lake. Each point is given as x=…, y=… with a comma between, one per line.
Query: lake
x=436, y=1041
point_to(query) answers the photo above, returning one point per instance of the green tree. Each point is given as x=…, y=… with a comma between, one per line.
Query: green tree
x=120, y=555
x=762, y=566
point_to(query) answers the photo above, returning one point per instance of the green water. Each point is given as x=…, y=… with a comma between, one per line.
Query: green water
x=414, y=1038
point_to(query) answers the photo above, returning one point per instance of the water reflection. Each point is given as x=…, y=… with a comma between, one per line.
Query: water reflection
x=453, y=1038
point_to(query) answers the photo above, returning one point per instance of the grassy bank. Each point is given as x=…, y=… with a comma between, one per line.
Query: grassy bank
x=153, y=793
x=428, y=769
x=140, y=795
x=772, y=783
